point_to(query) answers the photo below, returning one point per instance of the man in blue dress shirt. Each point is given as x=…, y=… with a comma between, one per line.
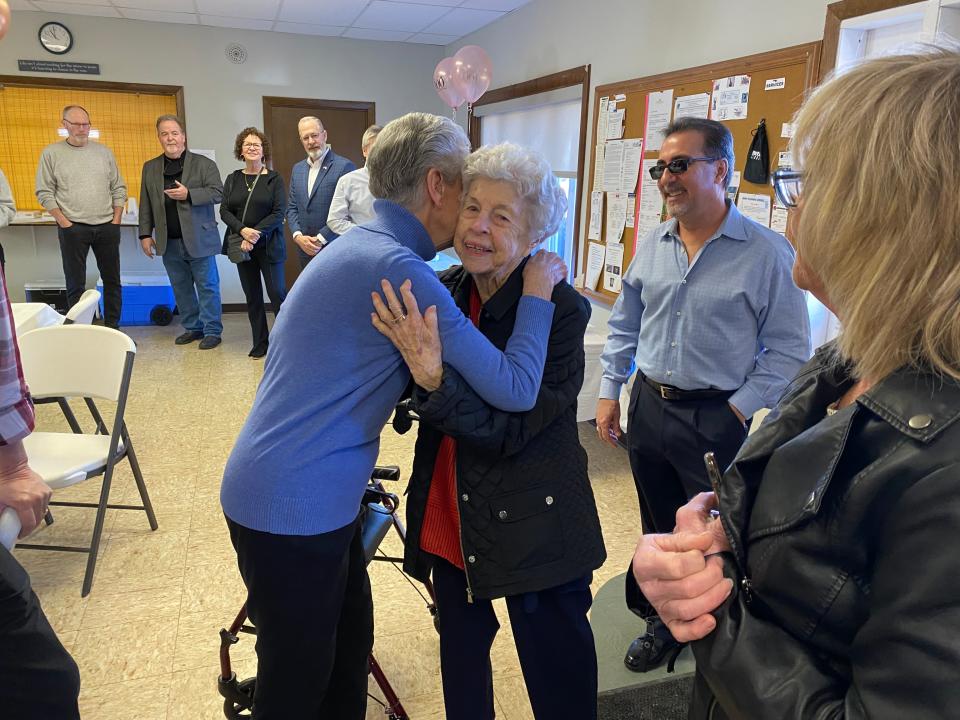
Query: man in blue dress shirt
x=712, y=322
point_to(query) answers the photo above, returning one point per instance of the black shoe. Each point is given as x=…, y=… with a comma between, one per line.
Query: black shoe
x=649, y=651
x=209, y=342
x=188, y=337
x=258, y=351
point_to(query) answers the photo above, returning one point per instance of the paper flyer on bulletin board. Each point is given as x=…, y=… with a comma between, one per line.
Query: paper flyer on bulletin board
x=731, y=96
x=613, y=268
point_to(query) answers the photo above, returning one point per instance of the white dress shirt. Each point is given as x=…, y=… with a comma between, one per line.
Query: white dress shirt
x=352, y=202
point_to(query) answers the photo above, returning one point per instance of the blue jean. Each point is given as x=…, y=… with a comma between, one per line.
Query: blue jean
x=192, y=277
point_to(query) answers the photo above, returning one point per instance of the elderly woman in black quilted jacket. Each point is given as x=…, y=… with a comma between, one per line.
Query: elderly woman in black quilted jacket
x=500, y=505
x=829, y=586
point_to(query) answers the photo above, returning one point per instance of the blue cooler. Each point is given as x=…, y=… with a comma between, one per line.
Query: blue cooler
x=147, y=298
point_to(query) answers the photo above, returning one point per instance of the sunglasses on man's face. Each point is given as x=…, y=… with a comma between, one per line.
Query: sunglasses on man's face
x=677, y=166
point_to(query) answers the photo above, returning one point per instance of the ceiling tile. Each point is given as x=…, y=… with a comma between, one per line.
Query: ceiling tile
x=445, y=3
x=399, y=16
x=460, y=22
x=159, y=16
x=77, y=9
x=21, y=5
x=179, y=6
x=236, y=22
x=500, y=5
x=367, y=34
x=432, y=39
x=308, y=29
x=259, y=9
x=331, y=12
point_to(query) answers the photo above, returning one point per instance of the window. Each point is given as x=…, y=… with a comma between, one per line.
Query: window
x=553, y=130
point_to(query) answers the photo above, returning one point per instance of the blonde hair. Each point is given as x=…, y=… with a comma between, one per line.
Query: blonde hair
x=879, y=147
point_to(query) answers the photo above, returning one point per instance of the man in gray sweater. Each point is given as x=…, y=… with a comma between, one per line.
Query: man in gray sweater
x=79, y=183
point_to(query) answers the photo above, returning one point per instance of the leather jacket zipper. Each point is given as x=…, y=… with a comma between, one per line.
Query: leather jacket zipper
x=716, y=478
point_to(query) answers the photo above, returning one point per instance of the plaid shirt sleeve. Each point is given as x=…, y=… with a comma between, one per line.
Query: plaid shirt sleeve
x=16, y=407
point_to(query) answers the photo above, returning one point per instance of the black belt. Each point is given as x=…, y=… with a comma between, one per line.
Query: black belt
x=669, y=392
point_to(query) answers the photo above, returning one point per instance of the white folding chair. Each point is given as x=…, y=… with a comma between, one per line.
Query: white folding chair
x=93, y=363
x=82, y=313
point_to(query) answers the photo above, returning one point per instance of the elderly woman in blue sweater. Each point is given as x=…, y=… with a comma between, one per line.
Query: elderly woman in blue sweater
x=295, y=478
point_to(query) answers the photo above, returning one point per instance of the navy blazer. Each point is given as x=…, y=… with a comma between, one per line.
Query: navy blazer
x=307, y=212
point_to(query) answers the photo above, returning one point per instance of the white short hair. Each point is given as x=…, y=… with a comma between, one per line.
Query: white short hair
x=544, y=202
x=407, y=148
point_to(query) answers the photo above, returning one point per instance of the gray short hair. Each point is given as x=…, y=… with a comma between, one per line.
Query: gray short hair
x=171, y=118
x=544, y=202
x=68, y=108
x=309, y=118
x=369, y=135
x=410, y=146
x=717, y=139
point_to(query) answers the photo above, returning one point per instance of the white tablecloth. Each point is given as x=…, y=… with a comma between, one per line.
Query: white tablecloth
x=30, y=316
x=593, y=342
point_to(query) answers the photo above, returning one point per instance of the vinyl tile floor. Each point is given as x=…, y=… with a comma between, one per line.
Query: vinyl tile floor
x=146, y=638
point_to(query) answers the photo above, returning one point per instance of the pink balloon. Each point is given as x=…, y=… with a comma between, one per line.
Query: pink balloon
x=443, y=82
x=473, y=72
x=4, y=18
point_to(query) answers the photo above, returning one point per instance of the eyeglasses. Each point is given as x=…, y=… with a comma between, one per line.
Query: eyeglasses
x=79, y=125
x=788, y=185
x=253, y=145
x=677, y=166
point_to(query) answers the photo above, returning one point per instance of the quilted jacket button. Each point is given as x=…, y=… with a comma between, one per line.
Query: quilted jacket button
x=919, y=422
x=465, y=497
x=549, y=499
x=472, y=559
x=502, y=514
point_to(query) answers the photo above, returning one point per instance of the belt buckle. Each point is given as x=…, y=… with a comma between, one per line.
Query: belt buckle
x=664, y=392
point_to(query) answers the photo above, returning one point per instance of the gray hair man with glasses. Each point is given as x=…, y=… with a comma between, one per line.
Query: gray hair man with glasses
x=79, y=184
x=713, y=324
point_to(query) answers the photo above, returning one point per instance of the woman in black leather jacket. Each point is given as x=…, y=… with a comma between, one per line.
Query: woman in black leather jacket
x=829, y=588
x=500, y=505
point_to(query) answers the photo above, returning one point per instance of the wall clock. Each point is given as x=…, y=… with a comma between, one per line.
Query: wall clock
x=55, y=38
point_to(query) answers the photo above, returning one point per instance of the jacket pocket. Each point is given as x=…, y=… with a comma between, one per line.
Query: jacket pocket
x=528, y=528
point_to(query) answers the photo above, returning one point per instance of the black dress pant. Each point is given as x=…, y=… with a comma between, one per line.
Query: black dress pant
x=273, y=276
x=38, y=678
x=554, y=643
x=309, y=598
x=75, y=243
x=667, y=441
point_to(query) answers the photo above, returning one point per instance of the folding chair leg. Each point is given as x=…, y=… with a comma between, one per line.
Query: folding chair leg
x=141, y=485
x=70, y=417
x=97, y=531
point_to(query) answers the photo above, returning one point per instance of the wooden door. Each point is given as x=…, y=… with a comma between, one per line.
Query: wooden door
x=345, y=123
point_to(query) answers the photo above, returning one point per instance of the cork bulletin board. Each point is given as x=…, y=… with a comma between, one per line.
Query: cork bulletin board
x=123, y=115
x=778, y=82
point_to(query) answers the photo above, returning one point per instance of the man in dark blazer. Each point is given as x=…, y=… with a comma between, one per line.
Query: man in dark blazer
x=178, y=192
x=312, y=184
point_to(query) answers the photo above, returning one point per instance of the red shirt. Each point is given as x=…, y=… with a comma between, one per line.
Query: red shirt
x=440, y=534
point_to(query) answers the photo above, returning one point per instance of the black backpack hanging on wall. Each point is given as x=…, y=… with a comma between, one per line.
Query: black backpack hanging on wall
x=757, y=169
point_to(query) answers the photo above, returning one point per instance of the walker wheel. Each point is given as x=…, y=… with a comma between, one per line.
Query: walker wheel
x=239, y=705
x=161, y=315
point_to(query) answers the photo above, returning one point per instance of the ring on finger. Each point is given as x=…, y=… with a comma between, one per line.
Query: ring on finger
x=397, y=319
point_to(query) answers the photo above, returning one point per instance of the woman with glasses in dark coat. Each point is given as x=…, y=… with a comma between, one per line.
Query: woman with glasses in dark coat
x=254, y=198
